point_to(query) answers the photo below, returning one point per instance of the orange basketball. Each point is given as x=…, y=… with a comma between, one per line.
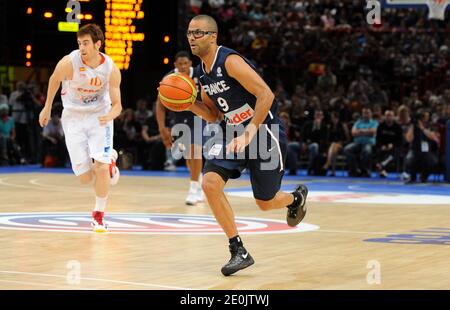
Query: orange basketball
x=177, y=91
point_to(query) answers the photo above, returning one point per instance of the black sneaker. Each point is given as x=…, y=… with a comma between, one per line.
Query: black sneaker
x=240, y=259
x=297, y=210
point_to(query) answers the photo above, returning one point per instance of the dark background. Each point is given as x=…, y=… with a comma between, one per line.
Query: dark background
x=17, y=29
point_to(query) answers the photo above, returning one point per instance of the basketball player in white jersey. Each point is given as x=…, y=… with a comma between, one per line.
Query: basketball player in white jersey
x=91, y=100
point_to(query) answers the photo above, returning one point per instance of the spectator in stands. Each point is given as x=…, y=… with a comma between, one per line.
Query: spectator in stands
x=422, y=156
x=9, y=150
x=358, y=87
x=293, y=148
x=132, y=129
x=359, y=152
x=328, y=22
x=152, y=147
x=3, y=98
x=6, y=132
x=22, y=112
x=53, y=143
x=389, y=141
x=142, y=113
x=404, y=120
x=377, y=113
x=327, y=82
x=38, y=101
x=338, y=137
x=315, y=139
x=378, y=96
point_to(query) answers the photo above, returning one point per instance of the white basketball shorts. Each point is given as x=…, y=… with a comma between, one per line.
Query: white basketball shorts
x=86, y=139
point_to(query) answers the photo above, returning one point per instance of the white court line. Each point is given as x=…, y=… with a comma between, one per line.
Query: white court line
x=72, y=189
x=97, y=279
x=88, y=190
x=42, y=284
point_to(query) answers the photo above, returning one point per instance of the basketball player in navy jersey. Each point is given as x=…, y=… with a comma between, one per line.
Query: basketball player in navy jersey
x=232, y=91
x=183, y=64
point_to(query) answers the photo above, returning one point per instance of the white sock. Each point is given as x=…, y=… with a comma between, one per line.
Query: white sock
x=100, y=204
x=195, y=185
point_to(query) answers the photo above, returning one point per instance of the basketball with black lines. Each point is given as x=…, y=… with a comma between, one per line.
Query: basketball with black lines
x=177, y=91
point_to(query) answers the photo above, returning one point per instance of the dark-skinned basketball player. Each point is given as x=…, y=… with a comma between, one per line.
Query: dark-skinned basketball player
x=183, y=64
x=233, y=92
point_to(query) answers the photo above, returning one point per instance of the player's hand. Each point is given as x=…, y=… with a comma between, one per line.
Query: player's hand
x=238, y=144
x=104, y=119
x=44, y=116
x=166, y=137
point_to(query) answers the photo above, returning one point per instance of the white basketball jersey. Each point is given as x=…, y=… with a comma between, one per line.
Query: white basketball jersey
x=89, y=88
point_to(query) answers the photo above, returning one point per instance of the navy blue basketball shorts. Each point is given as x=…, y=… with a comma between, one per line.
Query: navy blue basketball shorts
x=264, y=159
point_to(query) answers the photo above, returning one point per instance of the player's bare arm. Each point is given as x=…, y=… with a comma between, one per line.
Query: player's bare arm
x=63, y=71
x=205, y=108
x=238, y=69
x=114, y=93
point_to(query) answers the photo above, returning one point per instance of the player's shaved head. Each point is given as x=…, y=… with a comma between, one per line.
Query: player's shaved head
x=208, y=20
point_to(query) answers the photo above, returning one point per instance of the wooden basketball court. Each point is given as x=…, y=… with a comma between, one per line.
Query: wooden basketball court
x=335, y=256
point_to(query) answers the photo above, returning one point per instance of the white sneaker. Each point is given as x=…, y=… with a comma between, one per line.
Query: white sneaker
x=99, y=228
x=405, y=176
x=169, y=166
x=192, y=196
x=98, y=225
x=200, y=195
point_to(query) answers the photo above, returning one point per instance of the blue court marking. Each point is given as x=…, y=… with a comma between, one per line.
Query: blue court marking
x=339, y=184
x=181, y=172
x=363, y=187
x=431, y=236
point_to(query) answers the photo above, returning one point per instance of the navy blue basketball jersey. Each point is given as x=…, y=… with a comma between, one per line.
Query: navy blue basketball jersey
x=230, y=97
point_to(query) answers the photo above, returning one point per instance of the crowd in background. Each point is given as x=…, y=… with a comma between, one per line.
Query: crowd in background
x=355, y=96
x=333, y=73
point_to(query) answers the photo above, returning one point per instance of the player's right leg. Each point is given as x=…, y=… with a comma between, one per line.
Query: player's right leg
x=213, y=184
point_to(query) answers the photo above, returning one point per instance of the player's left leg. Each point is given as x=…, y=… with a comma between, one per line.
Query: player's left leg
x=295, y=202
x=266, y=176
x=106, y=173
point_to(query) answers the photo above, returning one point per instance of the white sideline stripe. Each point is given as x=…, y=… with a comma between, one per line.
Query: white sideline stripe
x=42, y=284
x=278, y=145
x=70, y=189
x=96, y=279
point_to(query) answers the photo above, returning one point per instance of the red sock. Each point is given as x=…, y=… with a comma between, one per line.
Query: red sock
x=98, y=216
